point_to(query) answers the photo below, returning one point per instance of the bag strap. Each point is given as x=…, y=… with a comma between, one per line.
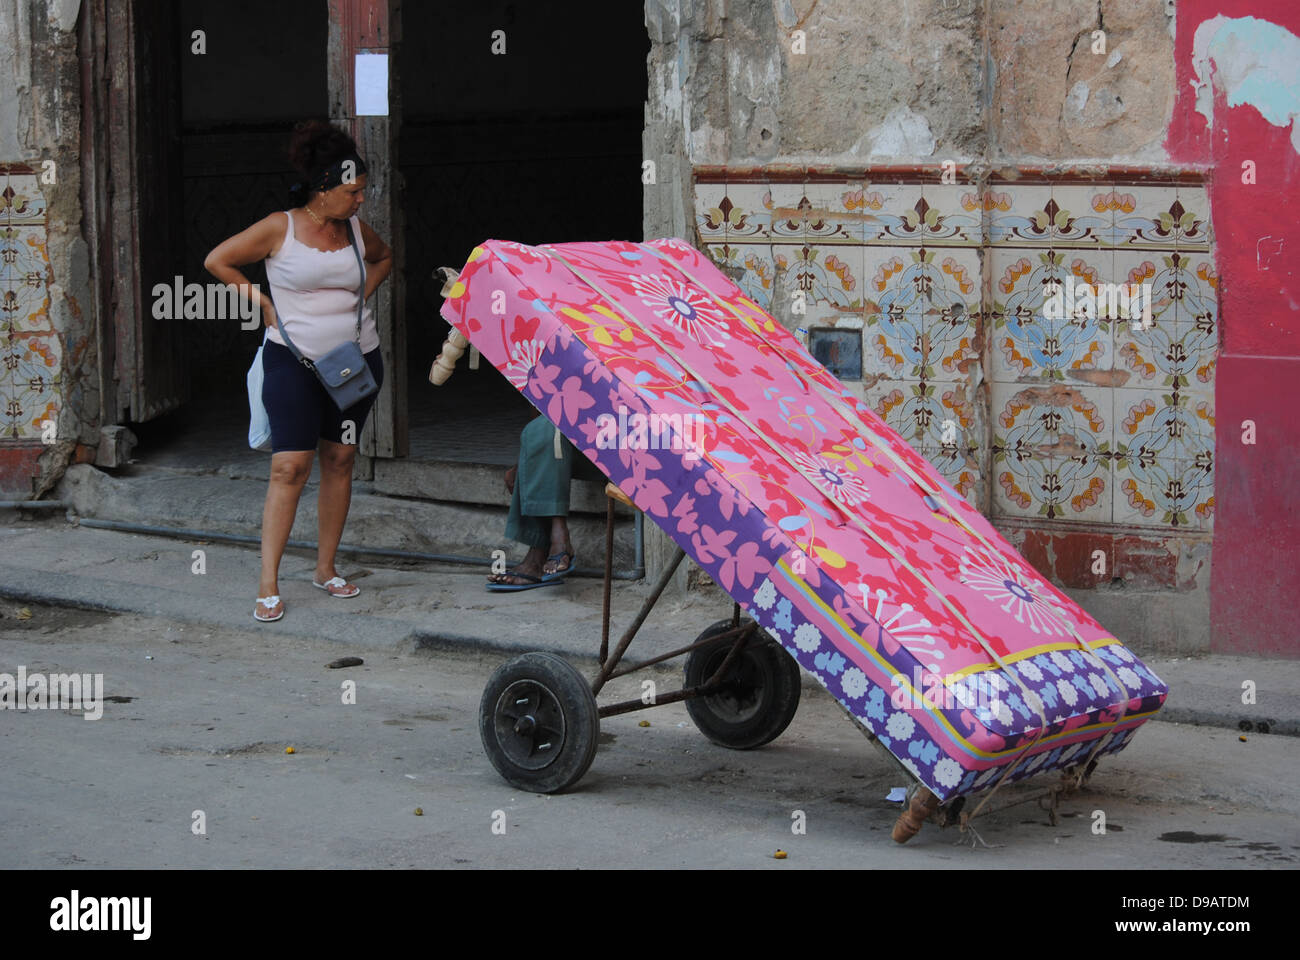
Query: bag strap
x=290, y=344
x=361, y=267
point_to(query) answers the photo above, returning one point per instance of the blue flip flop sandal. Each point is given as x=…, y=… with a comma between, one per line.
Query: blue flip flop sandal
x=560, y=574
x=533, y=583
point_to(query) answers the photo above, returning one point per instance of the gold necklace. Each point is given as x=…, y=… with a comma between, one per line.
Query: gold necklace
x=312, y=213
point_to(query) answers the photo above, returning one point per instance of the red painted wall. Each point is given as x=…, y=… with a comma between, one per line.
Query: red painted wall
x=1255, y=574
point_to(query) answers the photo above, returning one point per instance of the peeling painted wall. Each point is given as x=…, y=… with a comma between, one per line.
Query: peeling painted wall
x=48, y=267
x=1238, y=66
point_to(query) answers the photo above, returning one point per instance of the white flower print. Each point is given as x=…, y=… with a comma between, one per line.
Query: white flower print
x=1122, y=653
x=1066, y=689
x=523, y=357
x=1099, y=685
x=905, y=624
x=1027, y=669
x=807, y=638
x=1000, y=579
x=900, y=726
x=947, y=772
x=996, y=681
x=1129, y=679
x=838, y=484
x=765, y=595
x=674, y=302
x=853, y=683
x=1002, y=712
x=1062, y=661
x=1033, y=701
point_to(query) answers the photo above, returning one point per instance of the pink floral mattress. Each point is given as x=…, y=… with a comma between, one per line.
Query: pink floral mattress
x=824, y=524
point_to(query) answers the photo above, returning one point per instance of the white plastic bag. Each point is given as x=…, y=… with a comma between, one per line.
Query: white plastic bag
x=259, y=424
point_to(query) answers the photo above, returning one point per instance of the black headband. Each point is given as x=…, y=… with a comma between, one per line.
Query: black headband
x=327, y=178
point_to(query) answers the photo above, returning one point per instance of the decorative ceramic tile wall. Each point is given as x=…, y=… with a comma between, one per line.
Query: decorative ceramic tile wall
x=1087, y=418
x=30, y=350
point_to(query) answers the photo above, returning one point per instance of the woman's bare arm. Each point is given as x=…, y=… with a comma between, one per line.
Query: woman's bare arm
x=249, y=246
x=379, y=255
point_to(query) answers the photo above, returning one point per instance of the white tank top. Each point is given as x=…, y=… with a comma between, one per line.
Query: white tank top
x=315, y=294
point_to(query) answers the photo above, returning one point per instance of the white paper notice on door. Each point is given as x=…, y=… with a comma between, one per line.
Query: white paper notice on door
x=372, y=84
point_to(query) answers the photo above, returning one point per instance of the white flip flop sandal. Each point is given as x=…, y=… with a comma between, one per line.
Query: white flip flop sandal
x=270, y=603
x=335, y=583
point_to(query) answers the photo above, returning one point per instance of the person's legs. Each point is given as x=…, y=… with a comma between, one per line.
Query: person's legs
x=292, y=397
x=539, y=499
x=336, y=461
x=530, y=531
x=340, y=431
x=289, y=472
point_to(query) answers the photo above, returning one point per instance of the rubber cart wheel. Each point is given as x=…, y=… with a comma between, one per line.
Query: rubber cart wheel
x=538, y=722
x=761, y=693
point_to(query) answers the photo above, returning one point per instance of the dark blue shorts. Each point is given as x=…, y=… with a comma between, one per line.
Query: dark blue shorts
x=300, y=411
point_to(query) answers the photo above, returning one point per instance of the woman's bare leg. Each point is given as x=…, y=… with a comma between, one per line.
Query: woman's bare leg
x=336, y=460
x=289, y=472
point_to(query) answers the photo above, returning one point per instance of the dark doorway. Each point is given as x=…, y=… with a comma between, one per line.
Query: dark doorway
x=262, y=69
x=539, y=144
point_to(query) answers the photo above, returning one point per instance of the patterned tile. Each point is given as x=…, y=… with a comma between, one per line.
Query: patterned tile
x=750, y=265
x=1027, y=344
x=829, y=220
x=1149, y=489
x=25, y=284
x=21, y=199
x=710, y=218
x=819, y=278
x=899, y=286
x=789, y=209
x=30, y=382
x=894, y=207
x=30, y=351
x=953, y=214
x=837, y=293
x=750, y=218
x=1051, y=451
x=950, y=321
x=1149, y=217
x=1198, y=228
x=1017, y=214
x=1196, y=318
x=1081, y=214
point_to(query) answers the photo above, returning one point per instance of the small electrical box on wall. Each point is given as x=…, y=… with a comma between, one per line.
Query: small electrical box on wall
x=839, y=351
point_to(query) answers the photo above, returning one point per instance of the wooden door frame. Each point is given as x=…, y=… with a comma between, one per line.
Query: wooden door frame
x=374, y=26
x=122, y=159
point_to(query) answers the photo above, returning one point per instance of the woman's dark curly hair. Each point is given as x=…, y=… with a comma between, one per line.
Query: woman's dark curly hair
x=314, y=146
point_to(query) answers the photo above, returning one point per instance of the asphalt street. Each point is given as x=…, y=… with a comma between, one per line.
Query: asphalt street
x=202, y=717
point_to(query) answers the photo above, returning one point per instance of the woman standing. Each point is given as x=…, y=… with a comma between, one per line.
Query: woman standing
x=314, y=278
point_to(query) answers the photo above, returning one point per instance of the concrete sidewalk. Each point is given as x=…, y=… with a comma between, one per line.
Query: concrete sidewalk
x=53, y=562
